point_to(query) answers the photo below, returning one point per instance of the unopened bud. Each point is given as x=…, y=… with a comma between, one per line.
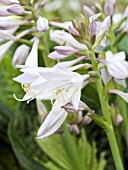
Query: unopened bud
x=56, y=56
x=73, y=31
x=86, y=120
x=119, y=119
x=66, y=50
x=92, y=31
x=16, y=9
x=109, y=8
x=4, y=12
x=42, y=24
x=20, y=55
x=93, y=74
x=88, y=10
x=74, y=129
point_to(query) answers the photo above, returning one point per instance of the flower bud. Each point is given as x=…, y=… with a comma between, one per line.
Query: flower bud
x=119, y=119
x=104, y=26
x=73, y=31
x=4, y=12
x=20, y=55
x=74, y=129
x=92, y=31
x=9, y=24
x=42, y=24
x=86, y=120
x=16, y=9
x=56, y=56
x=88, y=10
x=65, y=50
x=109, y=8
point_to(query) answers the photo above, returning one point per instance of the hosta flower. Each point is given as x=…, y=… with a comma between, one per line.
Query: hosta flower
x=62, y=37
x=69, y=94
x=71, y=45
x=116, y=67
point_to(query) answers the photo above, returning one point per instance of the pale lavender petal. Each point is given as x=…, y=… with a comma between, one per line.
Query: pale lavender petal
x=4, y=48
x=120, y=93
x=105, y=76
x=52, y=122
x=116, y=69
x=4, y=12
x=64, y=25
x=8, y=2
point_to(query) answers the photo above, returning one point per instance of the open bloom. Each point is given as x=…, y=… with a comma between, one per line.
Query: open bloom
x=71, y=93
x=116, y=67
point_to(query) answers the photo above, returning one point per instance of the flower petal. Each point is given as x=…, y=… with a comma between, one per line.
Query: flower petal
x=32, y=59
x=120, y=93
x=52, y=122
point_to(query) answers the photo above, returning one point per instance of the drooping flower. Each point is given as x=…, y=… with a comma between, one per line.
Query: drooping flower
x=116, y=67
x=70, y=94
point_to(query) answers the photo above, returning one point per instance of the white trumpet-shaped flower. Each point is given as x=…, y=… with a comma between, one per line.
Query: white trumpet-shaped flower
x=116, y=67
x=68, y=94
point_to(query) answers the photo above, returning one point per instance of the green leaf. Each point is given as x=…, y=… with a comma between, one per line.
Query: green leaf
x=21, y=134
x=54, y=147
x=7, y=86
x=88, y=154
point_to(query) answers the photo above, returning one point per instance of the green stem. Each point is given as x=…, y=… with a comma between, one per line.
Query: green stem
x=107, y=116
x=119, y=141
x=48, y=62
x=122, y=106
x=71, y=148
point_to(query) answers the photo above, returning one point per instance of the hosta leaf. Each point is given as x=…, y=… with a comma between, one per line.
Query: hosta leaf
x=54, y=148
x=7, y=86
x=21, y=134
x=89, y=154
